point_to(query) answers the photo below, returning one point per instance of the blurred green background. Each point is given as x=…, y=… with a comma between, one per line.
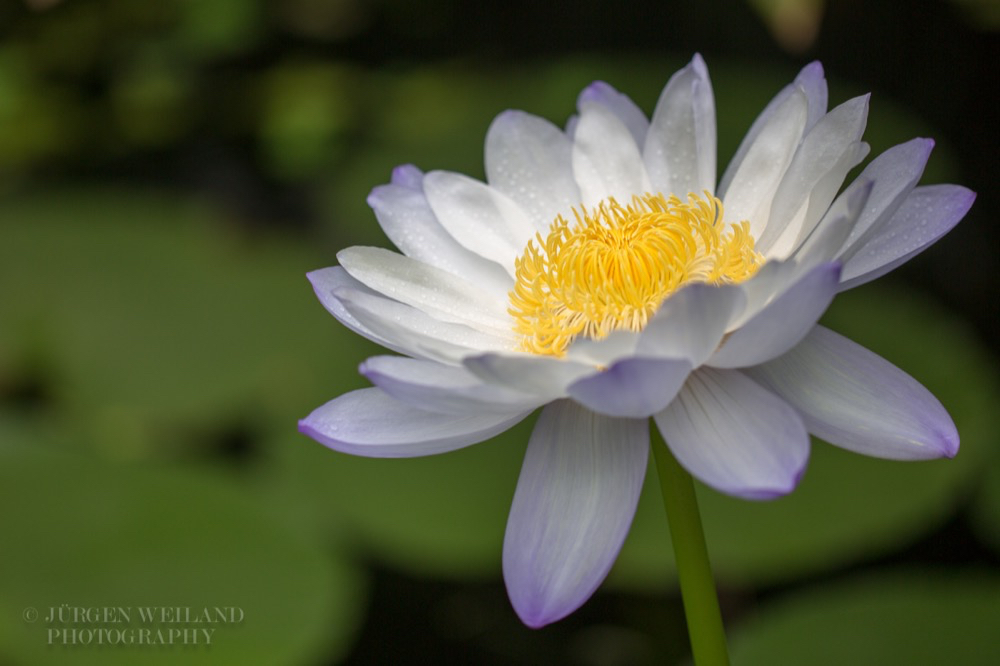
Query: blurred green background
x=170, y=170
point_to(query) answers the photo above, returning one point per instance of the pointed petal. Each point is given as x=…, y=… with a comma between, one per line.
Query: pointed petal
x=407, y=219
x=440, y=294
x=326, y=282
x=479, y=217
x=824, y=157
x=925, y=215
x=756, y=179
x=736, y=436
x=606, y=161
x=894, y=174
x=436, y=387
x=415, y=333
x=855, y=399
x=633, y=387
x=574, y=504
x=621, y=105
x=690, y=324
x=811, y=83
x=368, y=422
x=545, y=376
x=680, y=147
x=408, y=176
x=825, y=241
x=530, y=160
x=782, y=323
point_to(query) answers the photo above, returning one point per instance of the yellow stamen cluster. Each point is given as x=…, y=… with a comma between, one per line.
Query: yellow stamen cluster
x=615, y=265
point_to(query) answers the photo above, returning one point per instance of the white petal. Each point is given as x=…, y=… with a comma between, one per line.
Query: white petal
x=616, y=345
x=621, y=105
x=326, y=282
x=479, y=217
x=736, y=436
x=773, y=279
x=408, y=221
x=606, y=161
x=825, y=241
x=574, y=504
x=680, y=146
x=824, y=157
x=782, y=323
x=894, y=174
x=440, y=294
x=632, y=387
x=756, y=179
x=855, y=399
x=531, y=161
x=925, y=215
x=442, y=388
x=817, y=205
x=415, y=333
x=367, y=422
x=545, y=376
x=809, y=82
x=690, y=323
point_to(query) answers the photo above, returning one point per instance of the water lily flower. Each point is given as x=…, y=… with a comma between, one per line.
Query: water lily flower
x=603, y=274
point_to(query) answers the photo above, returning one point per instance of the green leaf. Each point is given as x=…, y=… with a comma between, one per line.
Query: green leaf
x=913, y=618
x=92, y=535
x=986, y=509
x=151, y=318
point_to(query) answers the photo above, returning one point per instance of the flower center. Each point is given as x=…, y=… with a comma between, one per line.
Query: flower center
x=613, y=267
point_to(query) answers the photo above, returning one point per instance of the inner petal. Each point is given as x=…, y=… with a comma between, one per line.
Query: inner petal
x=614, y=265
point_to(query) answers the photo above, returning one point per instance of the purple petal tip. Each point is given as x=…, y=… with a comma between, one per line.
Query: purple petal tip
x=306, y=429
x=596, y=91
x=949, y=444
x=813, y=70
x=699, y=64
x=408, y=176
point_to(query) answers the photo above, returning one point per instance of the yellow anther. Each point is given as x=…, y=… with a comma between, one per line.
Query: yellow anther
x=613, y=267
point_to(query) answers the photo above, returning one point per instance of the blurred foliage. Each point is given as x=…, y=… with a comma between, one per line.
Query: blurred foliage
x=894, y=617
x=131, y=537
x=171, y=170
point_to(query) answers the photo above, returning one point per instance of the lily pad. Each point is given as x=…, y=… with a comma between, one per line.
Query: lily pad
x=986, y=509
x=115, y=564
x=913, y=618
x=151, y=316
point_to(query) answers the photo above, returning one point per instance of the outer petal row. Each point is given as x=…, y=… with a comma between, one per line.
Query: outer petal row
x=574, y=504
x=368, y=422
x=437, y=387
x=925, y=215
x=735, y=435
x=855, y=399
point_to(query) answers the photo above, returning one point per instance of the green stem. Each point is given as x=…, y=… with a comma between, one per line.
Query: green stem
x=701, y=603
